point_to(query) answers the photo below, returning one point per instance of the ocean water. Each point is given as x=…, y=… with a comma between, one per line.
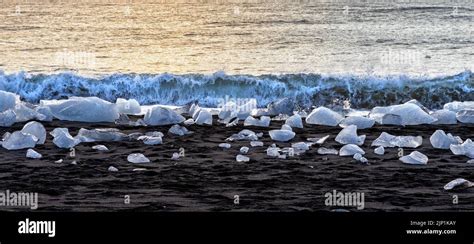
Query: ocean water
x=372, y=52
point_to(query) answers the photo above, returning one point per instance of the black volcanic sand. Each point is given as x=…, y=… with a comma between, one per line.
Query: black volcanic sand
x=208, y=177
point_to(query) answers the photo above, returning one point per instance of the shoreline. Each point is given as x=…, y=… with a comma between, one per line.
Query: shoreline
x=208, y=177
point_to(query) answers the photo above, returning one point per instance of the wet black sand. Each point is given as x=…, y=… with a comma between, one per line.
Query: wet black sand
x=208, y=177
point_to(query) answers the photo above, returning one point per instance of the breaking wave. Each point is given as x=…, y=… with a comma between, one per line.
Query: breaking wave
x=209, y=90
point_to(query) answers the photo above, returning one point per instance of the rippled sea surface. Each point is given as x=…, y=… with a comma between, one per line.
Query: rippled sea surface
x=237, y=37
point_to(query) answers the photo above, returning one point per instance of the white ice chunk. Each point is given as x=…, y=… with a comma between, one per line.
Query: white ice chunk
x=189, y=122
x=224, y=145
x=63, y=139
x=458, y=106
x=83, y=109
x=100, y=148
x=19, y=140
x=112, y=169
x=440, y=140
x=26, y=112
x=410, y=114
x=359, y=121
x=318, y=141
x=7, y=118
x=286, y=127
x=107, y=134
x=281, y=135
x=30, y=153
x=360, y=158
x=458, y=183
x=162, y=116
x=301, y=146
x=324, y=116
x=44, y=113
x=7, y=100
x=36, y=129
x=244, y=150
x=444, y=117
x=465, y=116
x=244, y=135
x=128, y=106
x=295, y=121
x=204, y=117
x=179, y=130
x=467, y=148
x=273, y=151
x=256, y=144
x=350, y=150
x=151, y=140
x=348, y=135
x=415, y=158
x=264, y=121
x=379, y=150
x=387, y=140
x=242, y=158
x=137, y=158
x=324, y=151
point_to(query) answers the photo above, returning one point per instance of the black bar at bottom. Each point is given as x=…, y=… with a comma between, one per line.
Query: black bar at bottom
x=242, y=226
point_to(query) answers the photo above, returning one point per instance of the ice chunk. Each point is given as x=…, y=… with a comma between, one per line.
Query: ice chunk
x=440, y=140
x=379, y=150
x=465, y=116
x=467, y=148
x=7, y=100
x=360, y=158
x=224, y=145
x=242, y=158
x=359, y=121
x=244, y=150
x=458, y=183
x=107, y=134
x=458, y=106
x=33, y=154
x=244, y=135
x=324, y=151
x=36, y=129
x=281, y=106
x=137, y=158
x=151, y=140
x=444, y=117
x=63, y=139
x=19, y=140
x=83, y=109
x=128, y=106
x=471, y=161
x=318, y=141
x=112, y=169
x=387, y=140
x=162, y=116
x=410, y=114
x=256, y=144
x=44, y=113
x=295, y=121
x=204, y=117
x=349, y=135
x=26, y=112
x=273, y=151
x=350, y=150
x=100, y=148
x=415, y=158
x=301, y=146
x=281, y=135
x=179, y=130
x=324, y=116
x=286, y=127
x=189, y=122
x=7, y=118
x=264, y=121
